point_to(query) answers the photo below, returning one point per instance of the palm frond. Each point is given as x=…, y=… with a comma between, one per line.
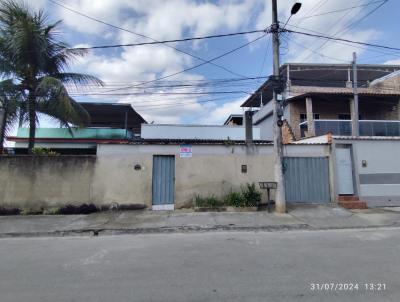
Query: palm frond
x=55, y=102
x=78, y=79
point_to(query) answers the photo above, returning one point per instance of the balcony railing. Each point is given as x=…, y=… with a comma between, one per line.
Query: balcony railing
x=343, y=127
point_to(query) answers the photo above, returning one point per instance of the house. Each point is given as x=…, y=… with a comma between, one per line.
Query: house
x=363, y=169
x=108, y=123
x=318, y=98
x=234, y=120
x=196, y=132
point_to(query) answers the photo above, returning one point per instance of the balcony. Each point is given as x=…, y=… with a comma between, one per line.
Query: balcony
x=343, y=127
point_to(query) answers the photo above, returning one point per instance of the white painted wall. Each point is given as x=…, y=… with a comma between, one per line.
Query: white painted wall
x=159, y=131
x=264, y=119
x=382, y=157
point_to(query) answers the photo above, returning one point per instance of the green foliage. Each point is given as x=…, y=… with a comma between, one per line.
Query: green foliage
x=251, y=195
x=235, y=199
x=207, y=202
x=43, y=151
x=32, y=55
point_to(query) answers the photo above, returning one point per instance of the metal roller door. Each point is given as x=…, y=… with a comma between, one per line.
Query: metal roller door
x=307, y=179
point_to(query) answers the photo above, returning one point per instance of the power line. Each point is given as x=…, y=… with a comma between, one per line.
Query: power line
x=195, y=66
x=342, y=10
x=162, y=93
x=348, y=26
x=143, y=36
x=343, y=40
x=344, y=43
x=265, y=57
x=314, y=51
x=172, y=41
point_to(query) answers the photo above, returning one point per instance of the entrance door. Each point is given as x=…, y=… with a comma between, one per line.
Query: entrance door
x=344, y=170
x=163, y=182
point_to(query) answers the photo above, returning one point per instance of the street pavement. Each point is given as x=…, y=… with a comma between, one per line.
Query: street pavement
x=209, y=266
x=298, y=217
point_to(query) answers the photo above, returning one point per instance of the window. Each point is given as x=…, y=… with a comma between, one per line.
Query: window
x=303, y=117
x=346, y=116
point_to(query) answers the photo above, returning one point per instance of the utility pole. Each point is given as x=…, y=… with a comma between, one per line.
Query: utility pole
x=280, y=201
x=355, y=129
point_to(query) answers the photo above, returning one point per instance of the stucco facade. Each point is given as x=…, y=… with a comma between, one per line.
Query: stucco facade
x=50, y=181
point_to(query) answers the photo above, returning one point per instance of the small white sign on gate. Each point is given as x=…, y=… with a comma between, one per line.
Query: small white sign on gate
x=185, y=151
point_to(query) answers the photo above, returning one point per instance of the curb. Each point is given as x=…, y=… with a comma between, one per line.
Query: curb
x=181, y=229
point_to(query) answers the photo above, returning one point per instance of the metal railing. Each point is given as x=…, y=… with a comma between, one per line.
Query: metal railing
x=343, y=127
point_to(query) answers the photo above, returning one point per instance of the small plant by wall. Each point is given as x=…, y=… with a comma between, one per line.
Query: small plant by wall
x=249, y=196
x=234, y=199
x=44, y=151
x=207, y=202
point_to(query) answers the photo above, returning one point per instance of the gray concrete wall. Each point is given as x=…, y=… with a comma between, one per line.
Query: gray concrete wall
x=212, y=170
x=34, y=182
x=41, y=181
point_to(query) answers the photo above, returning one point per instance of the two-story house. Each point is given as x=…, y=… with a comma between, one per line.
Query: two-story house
x=318, y=100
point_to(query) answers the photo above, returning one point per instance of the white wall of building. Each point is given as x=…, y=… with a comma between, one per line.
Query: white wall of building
x=378, y=180
x=159, y=131
x=264, y=120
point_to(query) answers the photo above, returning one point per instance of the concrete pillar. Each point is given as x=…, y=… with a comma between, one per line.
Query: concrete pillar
x=310, y=117
x=352, y=115
x=1, y=128
x=1, y=118
x=248, y=124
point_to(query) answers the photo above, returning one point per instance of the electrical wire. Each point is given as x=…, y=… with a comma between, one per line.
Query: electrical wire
x=344, y=43
x=349, y=26
x=343, y=40
x=342, y=10
x=143, y=36
x=195, y=66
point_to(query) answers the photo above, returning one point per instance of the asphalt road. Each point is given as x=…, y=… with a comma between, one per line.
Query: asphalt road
x=221, y=266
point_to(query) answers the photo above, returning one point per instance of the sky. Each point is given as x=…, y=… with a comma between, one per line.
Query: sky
x=203, y=95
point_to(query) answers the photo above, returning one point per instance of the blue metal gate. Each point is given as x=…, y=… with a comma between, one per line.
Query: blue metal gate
x=163, y=179
x=307, y=179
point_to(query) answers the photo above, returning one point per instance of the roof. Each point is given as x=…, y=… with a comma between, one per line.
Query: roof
x=193, y=142
x=234, y=117
x=386, y=77
x=327, y=139
x=113, y=116
x=320, y=75
x=342, y=92
x=74, y=135
x=367, y=138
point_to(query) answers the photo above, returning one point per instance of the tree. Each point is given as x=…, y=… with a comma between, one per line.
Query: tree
x=32, y=55
x=10, y=102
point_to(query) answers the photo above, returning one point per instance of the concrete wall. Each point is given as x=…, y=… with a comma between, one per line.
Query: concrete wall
x=378, y=182
x=212, y=170
x=154, y=131
x=35, y=181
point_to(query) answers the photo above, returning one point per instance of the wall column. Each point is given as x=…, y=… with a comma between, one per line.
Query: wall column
x=352, y=116
x=310, y=117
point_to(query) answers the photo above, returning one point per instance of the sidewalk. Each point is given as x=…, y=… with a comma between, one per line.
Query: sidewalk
x=304, y=217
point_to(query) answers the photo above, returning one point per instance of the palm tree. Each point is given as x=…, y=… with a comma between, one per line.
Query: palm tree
x=31, y=54
x=10, y=102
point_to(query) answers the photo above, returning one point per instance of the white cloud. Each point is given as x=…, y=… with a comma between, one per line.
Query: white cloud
x=393, y=62
x=310, y=49
x=181, y=18
x=219, y=113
